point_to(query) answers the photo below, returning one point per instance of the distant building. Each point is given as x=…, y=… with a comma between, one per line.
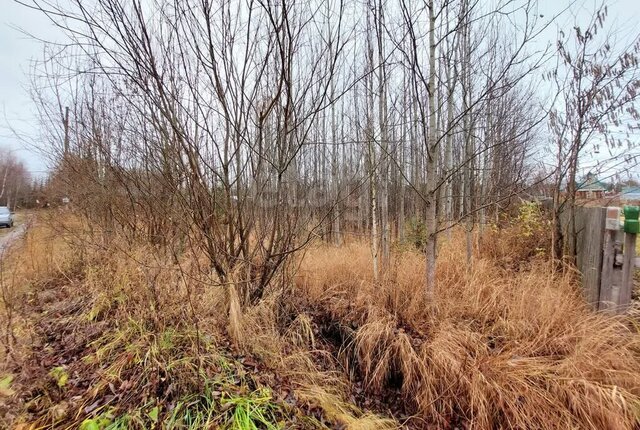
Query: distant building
x=591, y=188
x=630, y=193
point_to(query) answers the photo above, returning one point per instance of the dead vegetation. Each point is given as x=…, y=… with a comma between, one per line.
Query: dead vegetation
x=493, y=347
x=122, y=338
x=117, y=338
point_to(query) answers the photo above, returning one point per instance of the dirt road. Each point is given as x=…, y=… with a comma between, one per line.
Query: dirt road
x=14, y=234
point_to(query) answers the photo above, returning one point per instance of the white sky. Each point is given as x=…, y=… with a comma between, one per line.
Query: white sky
x=18, y=50
x=624, y=17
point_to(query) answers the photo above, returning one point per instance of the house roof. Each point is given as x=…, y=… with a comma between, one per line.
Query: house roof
x=593, y=187
x=591, y=183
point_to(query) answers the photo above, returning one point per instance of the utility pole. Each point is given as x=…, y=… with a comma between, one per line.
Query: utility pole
x=65, y=123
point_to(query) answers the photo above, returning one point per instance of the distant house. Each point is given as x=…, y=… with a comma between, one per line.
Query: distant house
x=591, y=188
x=630, y=193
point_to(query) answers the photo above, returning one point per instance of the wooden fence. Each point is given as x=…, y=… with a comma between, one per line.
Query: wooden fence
x=605, y=259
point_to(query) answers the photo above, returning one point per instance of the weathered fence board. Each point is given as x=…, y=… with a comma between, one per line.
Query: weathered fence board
x=609, y=295
x=605, y=257
x=628, y=268
x=590, y=222
x=611, y=287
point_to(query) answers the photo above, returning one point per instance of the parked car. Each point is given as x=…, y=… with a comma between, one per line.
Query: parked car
x=6, y=217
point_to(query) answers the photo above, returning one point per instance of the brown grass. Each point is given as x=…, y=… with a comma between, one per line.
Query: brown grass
x=498, y=346
x=495, y=348
x=121, y=317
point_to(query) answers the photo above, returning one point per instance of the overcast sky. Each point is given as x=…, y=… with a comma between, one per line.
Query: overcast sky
x=18, y=50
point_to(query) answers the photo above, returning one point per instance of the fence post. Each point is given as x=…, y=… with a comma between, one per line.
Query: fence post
x=607, y=299
x=631, y=228
x=628, y=267
x=590, y=228
x=610, y=276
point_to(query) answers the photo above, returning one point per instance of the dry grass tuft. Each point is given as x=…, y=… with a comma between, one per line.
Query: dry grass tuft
x=235, y=321
x=300, y=332
x=346, y=414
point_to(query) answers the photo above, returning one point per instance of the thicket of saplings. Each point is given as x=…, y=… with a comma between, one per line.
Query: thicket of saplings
x=119, y=335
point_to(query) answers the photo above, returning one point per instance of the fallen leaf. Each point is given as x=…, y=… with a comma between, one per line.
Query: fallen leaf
x=5, y=386
x=153, y=414
x=91, y=407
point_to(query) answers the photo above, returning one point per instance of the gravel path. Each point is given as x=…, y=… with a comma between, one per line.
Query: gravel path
x=15, y=234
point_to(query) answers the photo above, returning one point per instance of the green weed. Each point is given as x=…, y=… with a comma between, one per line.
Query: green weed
x=252, y=412
x=60, y=375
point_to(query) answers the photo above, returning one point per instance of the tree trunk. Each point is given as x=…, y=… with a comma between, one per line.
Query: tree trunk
x=372, y=163
x=337, y=240
x=384, y=141
x=432, y=155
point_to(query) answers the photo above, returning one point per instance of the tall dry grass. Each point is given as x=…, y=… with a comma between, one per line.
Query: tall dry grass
x=497, y=346
x=40, y=256
x=494, y=348
x=157, y=328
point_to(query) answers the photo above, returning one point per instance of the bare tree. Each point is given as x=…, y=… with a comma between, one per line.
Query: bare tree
x=15, y=180
x=243, y=130
x=598, y=87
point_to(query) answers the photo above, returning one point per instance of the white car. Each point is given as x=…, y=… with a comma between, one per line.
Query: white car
x=6, y=217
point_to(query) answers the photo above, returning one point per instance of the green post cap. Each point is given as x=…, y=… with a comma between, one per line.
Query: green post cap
x=631, y=212
x=631, y=224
